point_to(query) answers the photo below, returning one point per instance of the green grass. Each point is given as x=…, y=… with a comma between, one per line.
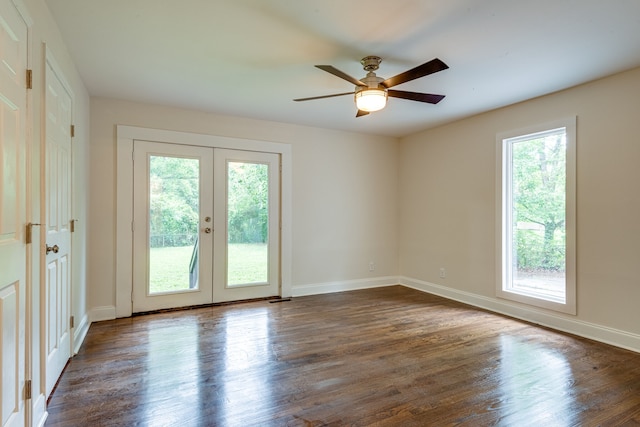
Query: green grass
x=169, y=267
x=247, y=263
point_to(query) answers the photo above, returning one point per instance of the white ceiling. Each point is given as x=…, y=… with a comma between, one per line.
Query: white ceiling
x=250, y=58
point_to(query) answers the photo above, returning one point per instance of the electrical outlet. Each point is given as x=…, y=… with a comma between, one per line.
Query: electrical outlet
x=372, y=266
x=443, y=273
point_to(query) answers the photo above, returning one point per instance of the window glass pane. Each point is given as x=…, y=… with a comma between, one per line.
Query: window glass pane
x=537, y=230
x=173, y=224
x=247, y=221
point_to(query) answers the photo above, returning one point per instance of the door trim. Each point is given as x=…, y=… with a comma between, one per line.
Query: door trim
x=124, y=200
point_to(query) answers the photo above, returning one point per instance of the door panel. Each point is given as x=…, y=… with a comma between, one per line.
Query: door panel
x=13, y=216
x=173, y=207
x=247, y=218
x=57, y=217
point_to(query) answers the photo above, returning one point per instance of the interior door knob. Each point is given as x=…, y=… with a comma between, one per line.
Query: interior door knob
x=207, y=230
x=53, y=249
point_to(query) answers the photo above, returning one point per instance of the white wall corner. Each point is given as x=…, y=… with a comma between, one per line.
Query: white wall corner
x=98, y=314
x=558, y=322
x=80, y=332
x=345, y=285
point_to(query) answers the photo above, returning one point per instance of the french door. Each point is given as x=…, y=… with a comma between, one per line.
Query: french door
x=247, y=217
x=206, y=225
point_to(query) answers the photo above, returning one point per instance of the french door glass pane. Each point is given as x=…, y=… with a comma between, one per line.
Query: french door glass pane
x=247, y=223
x=173, y=223
x=538, y=237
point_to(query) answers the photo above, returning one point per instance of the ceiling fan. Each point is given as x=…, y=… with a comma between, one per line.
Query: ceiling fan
x=371, y=92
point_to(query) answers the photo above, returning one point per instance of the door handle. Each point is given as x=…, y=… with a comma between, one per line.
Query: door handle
x=207, y=230
x=53, y=249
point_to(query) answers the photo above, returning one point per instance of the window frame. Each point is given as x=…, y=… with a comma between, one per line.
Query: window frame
x=503, y=215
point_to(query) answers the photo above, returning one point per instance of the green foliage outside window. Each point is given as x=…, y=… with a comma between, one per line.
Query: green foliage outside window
x=174, y=198
x=248, y=202
x=539, y=179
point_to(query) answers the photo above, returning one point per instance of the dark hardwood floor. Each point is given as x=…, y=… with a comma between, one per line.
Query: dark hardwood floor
x=388, y=356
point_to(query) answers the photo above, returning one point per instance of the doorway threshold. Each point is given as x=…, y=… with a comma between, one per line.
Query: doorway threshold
x=214, y=304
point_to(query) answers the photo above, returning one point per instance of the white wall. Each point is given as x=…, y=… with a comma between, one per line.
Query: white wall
x=344, y=195
x=44, y=31
x=448, y=206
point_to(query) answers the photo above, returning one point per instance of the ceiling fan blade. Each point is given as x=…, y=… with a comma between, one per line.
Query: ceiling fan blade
x=361, y=113
x=323, y=96
x=416, y=96
x=332, y=70
x=425, y=69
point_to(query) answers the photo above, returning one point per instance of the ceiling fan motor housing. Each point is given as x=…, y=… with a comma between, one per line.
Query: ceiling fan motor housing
x=371, y=64
x=372, y=81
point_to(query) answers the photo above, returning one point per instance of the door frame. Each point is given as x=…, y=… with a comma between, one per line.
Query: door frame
x=124, y=200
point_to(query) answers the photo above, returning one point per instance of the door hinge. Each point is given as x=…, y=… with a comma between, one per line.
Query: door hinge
x=72, y=322
x=72, y=225
x=29, y=79
x=73, y=131
x=28, y=235
x=27, y=390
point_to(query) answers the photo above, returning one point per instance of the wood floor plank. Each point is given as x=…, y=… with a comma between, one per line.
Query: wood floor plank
x=386, y=357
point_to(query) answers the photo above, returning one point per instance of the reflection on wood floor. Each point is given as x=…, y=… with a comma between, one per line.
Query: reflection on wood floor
x=388, y=356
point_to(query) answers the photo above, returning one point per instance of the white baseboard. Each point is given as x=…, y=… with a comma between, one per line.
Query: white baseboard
x=80, y=332
x=346, y=285
x=39, y=412
x=98, y=314
x=558, y=321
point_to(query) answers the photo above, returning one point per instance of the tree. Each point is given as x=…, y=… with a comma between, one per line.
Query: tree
x=539, y=176
x=248, y=202
x=174, y=198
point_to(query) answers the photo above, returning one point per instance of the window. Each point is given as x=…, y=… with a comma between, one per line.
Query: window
x=536, y=197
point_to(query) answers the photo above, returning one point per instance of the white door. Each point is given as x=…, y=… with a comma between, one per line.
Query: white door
x=13, y=214
x=56, y=222
x=173, y=229
x=195, y=242
x=247, y=224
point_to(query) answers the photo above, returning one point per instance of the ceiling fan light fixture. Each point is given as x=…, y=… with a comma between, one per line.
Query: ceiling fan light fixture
x=370, y=100
x=371, y=91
